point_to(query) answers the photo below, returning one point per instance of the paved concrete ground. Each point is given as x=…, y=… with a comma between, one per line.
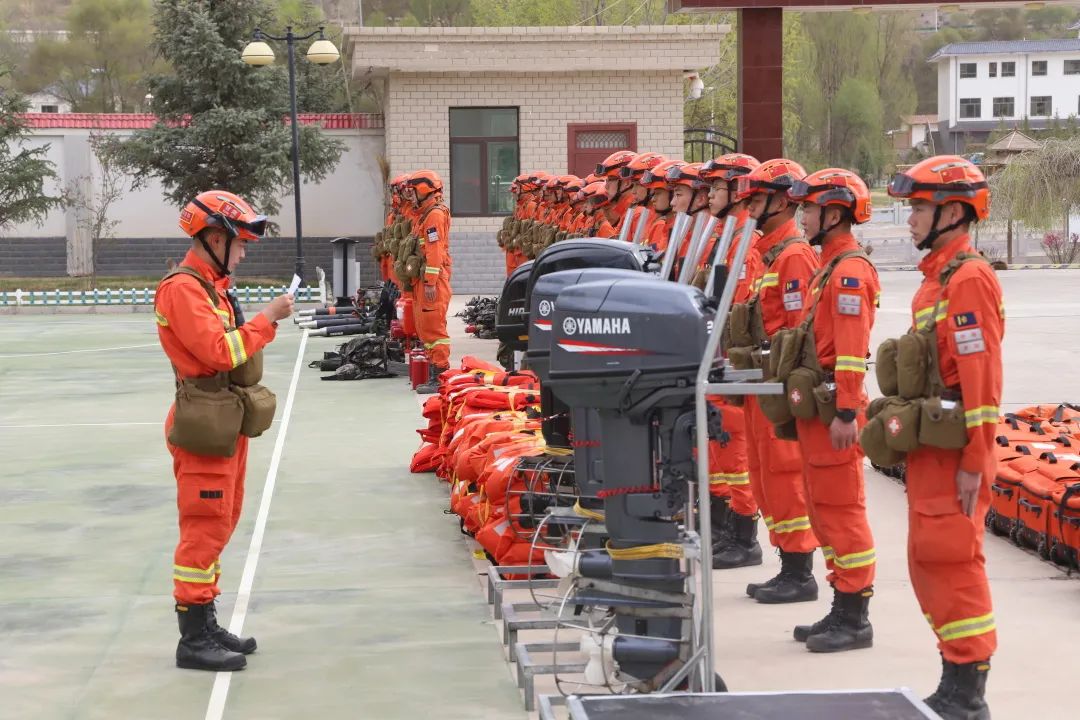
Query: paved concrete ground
x=365, y=601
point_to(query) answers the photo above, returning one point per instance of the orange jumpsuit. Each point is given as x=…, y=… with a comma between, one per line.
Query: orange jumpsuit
x=432, y=226
x=843, y=318
x=616, y=213
x=601, y=227
x=520, y=213
x=196, y=338
x=945, y=546
x=659, y=231
x=729, y=472
x=776, y=465
x=634, y=219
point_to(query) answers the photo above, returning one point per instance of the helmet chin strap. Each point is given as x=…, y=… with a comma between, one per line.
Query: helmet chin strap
x=228, y=247
x=935, y=232
x=819, y=237
x=766, y=216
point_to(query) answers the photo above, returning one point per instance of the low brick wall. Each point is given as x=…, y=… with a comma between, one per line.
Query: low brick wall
x=33, y=257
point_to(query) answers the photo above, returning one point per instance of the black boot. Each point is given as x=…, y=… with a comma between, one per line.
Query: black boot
x=752, y=588
x=432, y=385
x=720, y=516
x=224, y=638
x=198, y=650
x=744, y=550
x=795, y=583
x=802, y=632
x=965, y=699
x=945, y=685
x=850, y=628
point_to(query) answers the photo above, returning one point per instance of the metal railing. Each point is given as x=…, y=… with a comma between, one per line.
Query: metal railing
x=138, y=296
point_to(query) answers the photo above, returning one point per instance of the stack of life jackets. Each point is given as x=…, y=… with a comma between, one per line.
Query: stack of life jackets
x=1035, y=496
x=481, y=424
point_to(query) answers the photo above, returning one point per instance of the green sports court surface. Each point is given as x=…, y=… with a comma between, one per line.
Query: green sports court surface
x=362, y=596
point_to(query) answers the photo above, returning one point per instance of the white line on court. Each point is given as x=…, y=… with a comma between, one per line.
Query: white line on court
x=70, y=425
x=74, y=352
x=220, y=693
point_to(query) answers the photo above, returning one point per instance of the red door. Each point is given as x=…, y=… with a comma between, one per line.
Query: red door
x=590, y=143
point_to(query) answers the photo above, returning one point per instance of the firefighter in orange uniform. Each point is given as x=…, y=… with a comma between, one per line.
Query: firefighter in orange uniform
x=690, y=195
x=617, y=188
x=949, y=490
x=655, y=181
x=776, y=477
x=632, y=172
x=735, y=530
x=431, y=291
x=595, y=197
x=208, y=338
x=843, y=301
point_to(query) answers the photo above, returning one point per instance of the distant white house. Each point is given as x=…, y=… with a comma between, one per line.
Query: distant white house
x=915, y=133
x=46, y=102
x=984, y=84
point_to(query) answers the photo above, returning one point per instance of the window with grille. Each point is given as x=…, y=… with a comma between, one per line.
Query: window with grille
x=968, y=70
x=1038, y=67
x=970, y=108
x=484, y=160
x=993, y=69
x=1072, y=67
x=590, y=143
x=1008, y=69
x=1040, y=105
x=1004, y=107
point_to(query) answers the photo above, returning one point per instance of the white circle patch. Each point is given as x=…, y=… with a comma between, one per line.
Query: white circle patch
x=569, y=326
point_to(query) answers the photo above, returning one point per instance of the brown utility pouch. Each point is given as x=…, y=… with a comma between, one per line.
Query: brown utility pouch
x=771, y=362
x=249, y=373
x=913, y=364
x=885, y=368
x=799, y=388
x=259, y=405
x=942, y=424
x=900, y=419
x=739, y=325
x=825, y=398
x=414, y=267
x=791, y=352
x=876, y=406
x=208, y=417
x=775, y=407
x=742, y=357
x=872, y=440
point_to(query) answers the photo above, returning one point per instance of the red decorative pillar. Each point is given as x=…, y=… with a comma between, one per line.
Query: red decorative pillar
x=761, y=82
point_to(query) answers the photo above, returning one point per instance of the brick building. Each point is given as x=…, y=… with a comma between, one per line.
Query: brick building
x=481, y=105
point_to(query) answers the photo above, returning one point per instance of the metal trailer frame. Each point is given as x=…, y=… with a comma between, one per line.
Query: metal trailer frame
x=578, y=705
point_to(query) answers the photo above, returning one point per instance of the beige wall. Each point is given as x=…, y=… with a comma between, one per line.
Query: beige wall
x=418, y=117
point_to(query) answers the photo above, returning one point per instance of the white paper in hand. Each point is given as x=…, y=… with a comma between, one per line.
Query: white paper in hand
x=295, y=285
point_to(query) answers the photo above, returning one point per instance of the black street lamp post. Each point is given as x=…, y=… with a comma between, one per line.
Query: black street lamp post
x=321, y=52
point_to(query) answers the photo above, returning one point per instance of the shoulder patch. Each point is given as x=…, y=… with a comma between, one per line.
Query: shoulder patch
x=964, y=319
x=791, y=285
x=849, y=282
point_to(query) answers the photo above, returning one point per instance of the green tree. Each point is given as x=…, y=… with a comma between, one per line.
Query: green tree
x=23, y=170
x=220, y=121
x=1039, y=187
x=102, y=64
x=319, y=88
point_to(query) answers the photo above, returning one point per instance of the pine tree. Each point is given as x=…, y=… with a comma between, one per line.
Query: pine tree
x=23, y=170
x=220, y=121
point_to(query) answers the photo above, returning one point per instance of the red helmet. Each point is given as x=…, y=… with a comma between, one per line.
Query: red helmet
x=595, y=192
x=637, y=167
x=834, y=186
x=614, y=163
x=688, y=174
x=425, y=178
x=728, y=167
x=944, y=179
x=221, y=209
x=770, y=177
x=571, y=183
x=656, y=178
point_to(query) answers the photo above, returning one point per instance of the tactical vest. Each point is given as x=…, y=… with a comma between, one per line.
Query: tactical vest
x=917, y=409
x=409, y=261
x=809, y=391
x=745, y=338
x=212, y=412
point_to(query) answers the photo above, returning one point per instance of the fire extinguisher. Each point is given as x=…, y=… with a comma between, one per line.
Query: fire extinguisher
x=418, y=367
